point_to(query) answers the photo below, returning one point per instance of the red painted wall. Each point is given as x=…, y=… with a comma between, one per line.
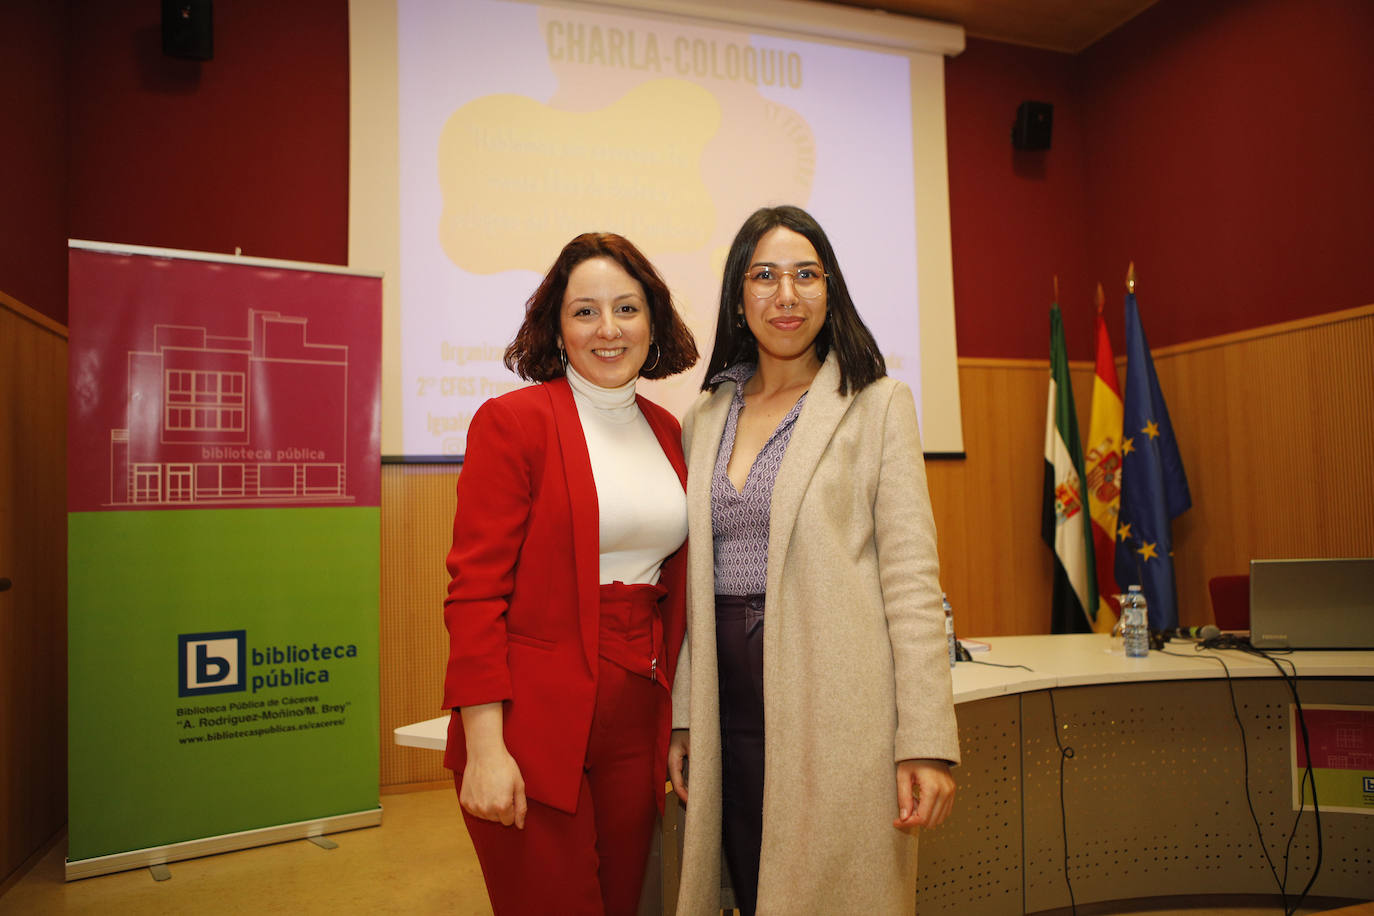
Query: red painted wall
x=111, y=141
x=1016, y=218
x=1233, y=160
x=249, y=149
x=1224, y=146
x=33, y=155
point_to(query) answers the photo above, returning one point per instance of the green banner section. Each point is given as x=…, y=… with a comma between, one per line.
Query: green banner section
x=223, y=672
x=1350, y=790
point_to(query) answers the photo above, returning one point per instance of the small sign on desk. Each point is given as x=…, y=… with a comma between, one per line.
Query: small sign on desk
x=1341, y=746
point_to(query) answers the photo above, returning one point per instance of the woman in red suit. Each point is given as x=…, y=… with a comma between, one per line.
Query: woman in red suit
x=565, y=608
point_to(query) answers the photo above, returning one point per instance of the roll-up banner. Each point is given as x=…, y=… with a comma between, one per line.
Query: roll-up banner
x=223, y=484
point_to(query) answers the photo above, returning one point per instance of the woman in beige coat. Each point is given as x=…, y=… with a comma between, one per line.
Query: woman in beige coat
x=813, y=601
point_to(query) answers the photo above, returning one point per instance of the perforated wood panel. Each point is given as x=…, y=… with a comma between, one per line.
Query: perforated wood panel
x=1155, y=794
x=1154, y=797
x=973, y=863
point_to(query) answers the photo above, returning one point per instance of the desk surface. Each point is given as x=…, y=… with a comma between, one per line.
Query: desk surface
x=1071, y=660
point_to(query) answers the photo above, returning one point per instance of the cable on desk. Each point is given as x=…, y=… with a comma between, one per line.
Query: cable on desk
x=1065, y=753
x=974, y=661
x=1245, y=760
x=1308, y=779
x=1241, y=644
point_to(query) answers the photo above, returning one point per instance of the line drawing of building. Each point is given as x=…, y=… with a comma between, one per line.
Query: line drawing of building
x=215, y=420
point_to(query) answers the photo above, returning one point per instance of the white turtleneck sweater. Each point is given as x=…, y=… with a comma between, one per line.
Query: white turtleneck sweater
x=642, y=505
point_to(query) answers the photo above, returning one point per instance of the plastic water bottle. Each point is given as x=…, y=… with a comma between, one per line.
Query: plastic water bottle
x=949, y=630
x=1135, y=623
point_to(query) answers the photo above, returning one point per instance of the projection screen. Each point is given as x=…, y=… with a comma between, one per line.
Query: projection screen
x=487, y=133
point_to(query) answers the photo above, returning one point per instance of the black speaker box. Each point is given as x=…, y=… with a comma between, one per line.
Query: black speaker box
x=188, y=29
x=1034, y=121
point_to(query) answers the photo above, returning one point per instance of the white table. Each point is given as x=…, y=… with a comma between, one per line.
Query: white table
x=1154, y=797
x=1154, y=793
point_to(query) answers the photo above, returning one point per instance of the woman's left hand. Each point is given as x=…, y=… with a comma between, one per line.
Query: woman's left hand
x=925, y=793
x=679, y=749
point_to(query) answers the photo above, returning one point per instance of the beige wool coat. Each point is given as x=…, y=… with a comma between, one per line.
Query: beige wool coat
x=856, y=667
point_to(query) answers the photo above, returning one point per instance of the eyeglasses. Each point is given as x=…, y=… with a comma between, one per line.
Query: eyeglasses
x=762, y=282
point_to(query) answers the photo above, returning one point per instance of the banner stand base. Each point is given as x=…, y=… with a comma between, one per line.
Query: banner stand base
x=229, y=842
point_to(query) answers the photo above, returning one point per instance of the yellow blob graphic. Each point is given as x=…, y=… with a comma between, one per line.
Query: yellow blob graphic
x=519, y=179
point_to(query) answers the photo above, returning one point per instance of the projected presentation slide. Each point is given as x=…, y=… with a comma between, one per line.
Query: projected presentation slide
x=522, y=125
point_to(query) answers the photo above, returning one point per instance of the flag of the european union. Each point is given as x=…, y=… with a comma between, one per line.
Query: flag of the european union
x=1154, y=489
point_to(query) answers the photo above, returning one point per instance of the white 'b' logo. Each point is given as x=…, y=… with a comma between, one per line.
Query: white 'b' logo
x=211, y=662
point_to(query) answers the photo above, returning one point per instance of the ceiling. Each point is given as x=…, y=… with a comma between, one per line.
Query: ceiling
x=1055, y=25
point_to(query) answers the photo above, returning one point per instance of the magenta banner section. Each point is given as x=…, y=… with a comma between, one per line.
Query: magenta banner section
x=215, y=383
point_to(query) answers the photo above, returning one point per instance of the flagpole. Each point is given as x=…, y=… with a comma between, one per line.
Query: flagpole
x=1103, y=467
x=1065, y=524
x=1154, y=487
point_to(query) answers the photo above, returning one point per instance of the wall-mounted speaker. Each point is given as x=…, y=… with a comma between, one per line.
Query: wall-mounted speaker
x=1034, y=122
x=188, y=29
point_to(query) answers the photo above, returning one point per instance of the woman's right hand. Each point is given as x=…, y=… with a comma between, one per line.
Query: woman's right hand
x=679, y=746
x=492, y=788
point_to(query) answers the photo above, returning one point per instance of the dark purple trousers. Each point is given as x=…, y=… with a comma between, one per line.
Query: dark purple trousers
x=739, y=661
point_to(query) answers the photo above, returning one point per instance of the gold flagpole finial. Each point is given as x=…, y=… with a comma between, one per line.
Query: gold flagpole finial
x=1130, y=278
x=1056, y=288
x=1101, y=299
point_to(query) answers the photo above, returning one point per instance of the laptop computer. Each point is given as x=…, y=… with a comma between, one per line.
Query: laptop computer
x=1312, y=604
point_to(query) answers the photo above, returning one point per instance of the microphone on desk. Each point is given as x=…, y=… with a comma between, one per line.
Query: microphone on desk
x=1207, y=631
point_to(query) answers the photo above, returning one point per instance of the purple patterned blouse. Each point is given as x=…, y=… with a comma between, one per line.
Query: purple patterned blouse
x=739, y=520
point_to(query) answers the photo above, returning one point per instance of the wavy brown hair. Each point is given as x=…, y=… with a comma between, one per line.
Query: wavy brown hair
x=533, y=355
x=861, y=362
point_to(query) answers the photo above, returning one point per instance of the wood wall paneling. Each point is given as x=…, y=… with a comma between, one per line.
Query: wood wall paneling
x=1273, y=426
x=1273, y=429
x=33, y=555
x=417, y=528
x=994, y=567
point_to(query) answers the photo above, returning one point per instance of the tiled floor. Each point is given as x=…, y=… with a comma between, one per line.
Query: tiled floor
x=418, y=861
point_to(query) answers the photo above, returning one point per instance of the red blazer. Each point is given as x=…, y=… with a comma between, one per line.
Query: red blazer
x=523, y=606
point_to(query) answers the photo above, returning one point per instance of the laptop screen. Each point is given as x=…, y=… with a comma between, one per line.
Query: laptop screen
x=1312, y=603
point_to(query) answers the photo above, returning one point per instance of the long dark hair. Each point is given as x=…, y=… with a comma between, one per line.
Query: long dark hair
x=861, y=362
x=533, y=355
